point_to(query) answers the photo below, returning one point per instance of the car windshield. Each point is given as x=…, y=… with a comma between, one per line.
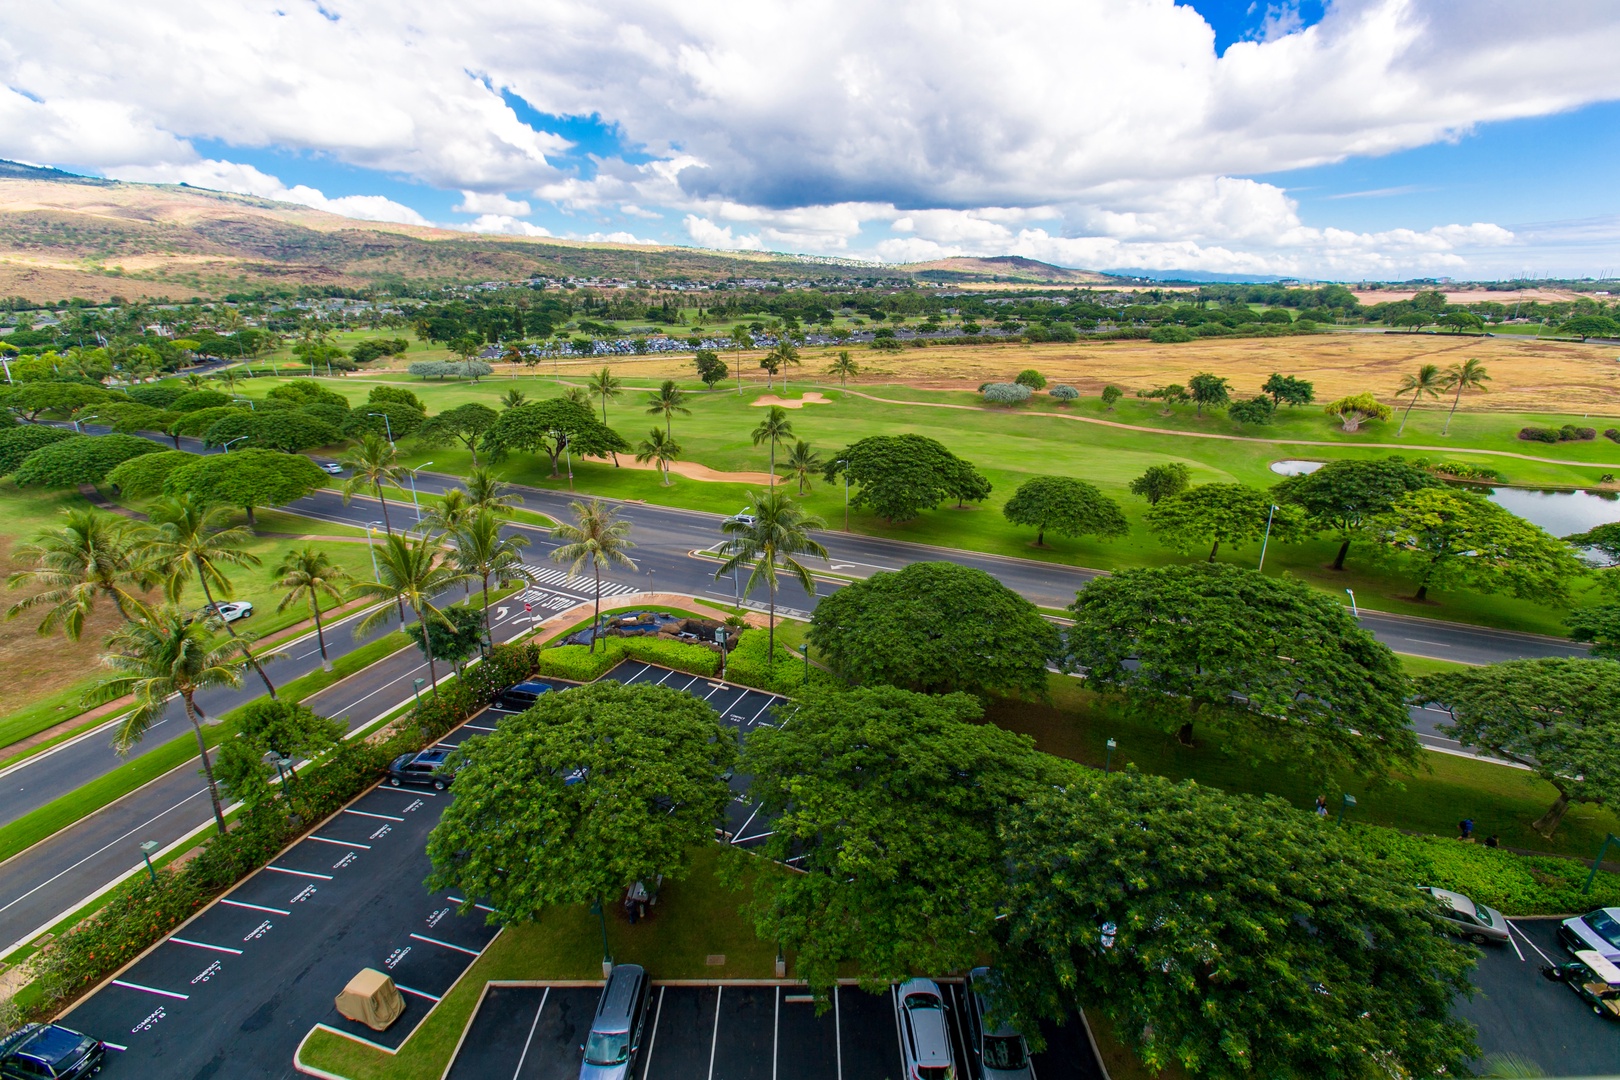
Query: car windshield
x=934, y=1072
x=1003, y=1052
x=922, y=1001
x=1605, y=927
x=608, y=1048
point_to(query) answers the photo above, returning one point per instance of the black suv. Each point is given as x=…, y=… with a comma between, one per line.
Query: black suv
x=427, y=767
x=50, y=1052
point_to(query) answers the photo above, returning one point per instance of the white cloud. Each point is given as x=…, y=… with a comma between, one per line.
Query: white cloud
x=616, y=238
x=476, y=202
x=504, y=224
x=705, y=233
x=247, y=180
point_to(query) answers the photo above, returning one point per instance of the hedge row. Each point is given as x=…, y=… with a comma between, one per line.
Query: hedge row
x=580, y=664
x=1513, y=884
x=139, y=913
x=1567, y=433
x=785, y=675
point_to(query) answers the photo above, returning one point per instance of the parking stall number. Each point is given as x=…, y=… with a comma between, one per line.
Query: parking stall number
x=307, y=892
x=207, y=973
x=433, y=919
x=382, y=832
x=395, y=957
x=348, y=858
x=416, y=804
x=147, y=1024
x=258, y=931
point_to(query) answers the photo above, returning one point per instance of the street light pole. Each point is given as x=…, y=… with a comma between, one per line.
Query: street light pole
x=720, y=639
x=386, y=425
x=371, y=527
x=227, y=443
x=416, y=688
x=1353, y=610
x=1108, y=761
x=147, y=848
x=1267, y=540
x=845, y=463
x=804, y=651
x=607, y=958
x=417, y=502
x=1345, y=803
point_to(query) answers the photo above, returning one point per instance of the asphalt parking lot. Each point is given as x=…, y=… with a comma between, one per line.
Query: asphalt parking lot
x=724, y=1032
x=1519, y=1012
x=233, y=991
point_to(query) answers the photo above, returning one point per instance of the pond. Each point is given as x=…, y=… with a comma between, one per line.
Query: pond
x=1295, y=467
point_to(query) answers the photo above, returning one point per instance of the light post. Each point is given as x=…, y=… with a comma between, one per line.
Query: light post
x=1345, y=803
x=845, y=463
x=607, y=958
x=147, y=848
x=1108, y=760
x=720, y=640
x=227, y=443
x=386, y=425
x=1353, y=610
x=804, y=651
x=5, y=360
x=371, y=527
x=414, y=499
x=1609, y=838
x=1267, y=540
x=416, y=688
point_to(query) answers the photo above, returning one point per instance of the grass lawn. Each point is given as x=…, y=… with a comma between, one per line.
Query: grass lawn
x=1077, y=724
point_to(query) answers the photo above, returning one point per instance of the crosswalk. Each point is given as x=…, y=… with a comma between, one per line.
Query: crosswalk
x=562, y=581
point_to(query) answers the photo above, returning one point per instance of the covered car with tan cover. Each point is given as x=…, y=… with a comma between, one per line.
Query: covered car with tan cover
x=371, y=999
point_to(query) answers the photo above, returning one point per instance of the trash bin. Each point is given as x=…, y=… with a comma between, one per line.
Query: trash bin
x=371, y=999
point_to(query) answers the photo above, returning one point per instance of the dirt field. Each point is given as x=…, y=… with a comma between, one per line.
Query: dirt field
x=36, y=666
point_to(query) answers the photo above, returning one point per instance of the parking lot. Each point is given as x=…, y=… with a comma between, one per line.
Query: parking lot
x=1519, y=1012
x=725, y=1032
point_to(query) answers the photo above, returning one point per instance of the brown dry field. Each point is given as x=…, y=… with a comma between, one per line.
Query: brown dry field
x=1526, y=375
x=37, y=666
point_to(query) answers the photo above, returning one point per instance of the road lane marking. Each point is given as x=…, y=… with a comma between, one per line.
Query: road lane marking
x=256, y=907
x=299, y=873
x=524, y=1056
x=151, y=990
x=445, y=945
x=407, y=990
x=342, y=843
x=205, y=945
x=363, y=813
x=714, y=1040
x=1530, y=943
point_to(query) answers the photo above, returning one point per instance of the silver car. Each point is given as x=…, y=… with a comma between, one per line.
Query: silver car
x=1597, y=930
x=925, y=1032
x=615, y=1039
x=1002, y=1052
x=1460, y=915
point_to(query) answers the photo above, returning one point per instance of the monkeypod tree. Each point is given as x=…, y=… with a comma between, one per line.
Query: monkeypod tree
x=1067, y=507
x=18, y=442
x=143, y=477
x=1270, y=659
x=247, y=478
x=1343, y=496
x=80, y=459
x=1161, y=482
x=553, y=427
x=1221, y=513
x=1288, y=390
x=897, y=477
x=1208, y=390
x=464, y=424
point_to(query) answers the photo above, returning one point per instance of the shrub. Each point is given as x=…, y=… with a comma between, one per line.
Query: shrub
x=680, y=655
x=1063, y=392
x=1612, y=434
x=1171, y=335
x=1002, y=393
x=1458, y=470
x=1571, y=433
x=1031, y=378
x=578, y=663
x=746, y=665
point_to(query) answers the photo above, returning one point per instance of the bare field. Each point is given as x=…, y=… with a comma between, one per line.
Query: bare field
x=35, y=665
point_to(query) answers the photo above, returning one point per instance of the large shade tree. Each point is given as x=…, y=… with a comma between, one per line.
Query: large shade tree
x=1342, y=496
x=1066, y=506
x=247, y=479
x=935, y=627
x=1231, y=936
x=1217, y=514
x=1282, y=665
x=554, y=427
x=897, y=477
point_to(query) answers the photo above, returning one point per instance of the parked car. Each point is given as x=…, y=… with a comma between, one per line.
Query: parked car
x=1595, y=981
x=227, y=610
x=521, y=698
x=427, y=767
x=332, y=468
x=1001, y=1050
x=747, y=517
x=50, y=1052
x=1597, y=930
x=925, y=1033
x=621, y=1015
x=1461, y=915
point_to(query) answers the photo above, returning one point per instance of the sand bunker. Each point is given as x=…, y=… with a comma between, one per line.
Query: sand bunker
x=693, y=471
x=810, y=398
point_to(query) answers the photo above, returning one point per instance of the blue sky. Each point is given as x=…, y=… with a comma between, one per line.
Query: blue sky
x=1321, y=138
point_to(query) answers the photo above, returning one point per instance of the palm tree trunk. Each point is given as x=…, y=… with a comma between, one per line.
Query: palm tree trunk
x=208, y=770
x=770, y=633
x=387, y=525
x=1454, y=403
x=596, y=622
x=488, y=629
x=427, y=647
x=1404, y=415
x=773, y=461
x=246, y=652
x=320, y=635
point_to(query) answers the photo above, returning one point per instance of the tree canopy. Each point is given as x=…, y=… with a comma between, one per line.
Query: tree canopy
x=897, y=477
x=1288, y=390
x=1342, y=496
x=551, y=427
x=1162, y=481
x=1206, y=389
x=386, y=418
x=1557, y=716
x=465, y=424
x=1235, y=937
x=1067, y=507
x=1220, y=513
x=80, y=459
x=142, y=477
x=1454, y=539
x=1357, y=409
x=1270, y=658
x=247, y=478
x=935, y=627
x=888, y=800
x=618, y=784
x=17, y=443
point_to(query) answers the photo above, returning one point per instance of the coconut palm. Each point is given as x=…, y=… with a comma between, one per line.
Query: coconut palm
x=781, y=531
x=158, y=657
x=1428, y=381
x=483, y=553
x=230, y=377
x=581, y=396
x=604, y=385
x=803, y=460
x=513, y=398
x=309, y=573
x=92, y=555
x=783, y=355
x=486, y=491
x=411, y=573
x=371, y=463
x=453, y=510
x=667, y=400
x=1468, y=375
x=775, y=428
x=659, y=447
x=844, y=367
x=595, y=536
x=190, y=537
x=193, y=381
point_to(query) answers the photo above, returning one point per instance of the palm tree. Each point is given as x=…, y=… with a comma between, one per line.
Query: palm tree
x=844, y=367
x=486, y=491
x=189, y=538
x=91, y=555
x=803, y=460
x=193, y=381
x=230, y=377
x=775, y=428
x=370, y=464
x=659, y=447
x=482, y=552
x=513, y=398
x=156, y=658
x=579, y=395
x=604, y=384
x=596, y=536
x=781, y=530
x=783, y=354
x=453, y=510
x=309, y=573
x=410, y=573
x=1428, y=381
x=1468, y=375
x=667, y=400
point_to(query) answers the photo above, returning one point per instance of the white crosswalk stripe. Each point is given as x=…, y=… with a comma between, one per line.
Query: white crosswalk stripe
x=561, y=579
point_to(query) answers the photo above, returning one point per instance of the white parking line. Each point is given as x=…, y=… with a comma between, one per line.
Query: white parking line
x=838, y=1032
x=299, y=873
x=403, y=791
x=152, y=990
x=714, y=1039
x=113, y=1046
x=646, y=1066
x=341, y=843
x=445, y=945
x=256, y=907
x=524, y=1056
x=402, y=988
x=205, y=945
x=362, y=813
x=477, y=727
x=1530, y=943
x=480, y=907
x=776, y=1031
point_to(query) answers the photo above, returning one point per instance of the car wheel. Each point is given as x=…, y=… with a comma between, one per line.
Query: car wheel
x=393, y=781
x=438, y=785
x=1478, y=939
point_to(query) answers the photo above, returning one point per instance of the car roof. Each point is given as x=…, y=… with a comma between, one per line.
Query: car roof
x=1454, y=900
x=432, y=756
x=51, y=1042
x=530, y=684
x=1602, y=968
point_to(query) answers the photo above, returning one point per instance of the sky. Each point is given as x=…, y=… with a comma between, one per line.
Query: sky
x=1322, y=139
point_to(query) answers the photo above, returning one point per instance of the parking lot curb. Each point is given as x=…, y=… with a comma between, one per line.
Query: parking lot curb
x=1102, y=1066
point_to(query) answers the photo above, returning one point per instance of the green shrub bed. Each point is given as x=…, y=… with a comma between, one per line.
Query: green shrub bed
x=579, y=664
x=1513, y=884
x=785, y=675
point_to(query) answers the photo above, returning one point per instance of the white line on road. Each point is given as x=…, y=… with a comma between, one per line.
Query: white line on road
x=151, y=990
x=445, y=944
x=714, y=1040
x=407, y=990
x=524, y=1056
x=256, y=907
x=299, y=873
x=403, y=790
x=205, y=945
x=362, y=813
x=646, y=1066
x=1528, y=942
x=342, y=843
